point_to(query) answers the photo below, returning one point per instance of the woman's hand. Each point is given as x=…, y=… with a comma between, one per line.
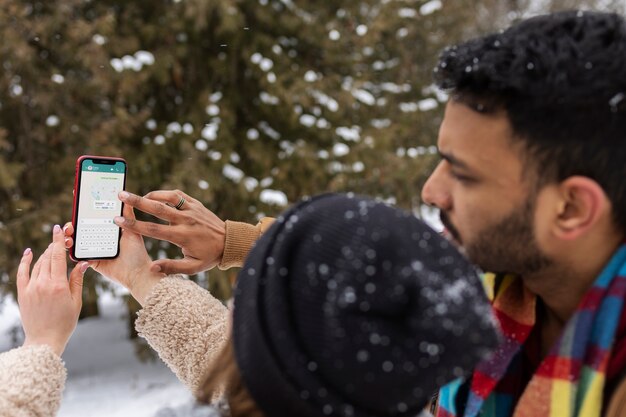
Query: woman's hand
x=131, y=268
x=49, y=303
x=192, y=227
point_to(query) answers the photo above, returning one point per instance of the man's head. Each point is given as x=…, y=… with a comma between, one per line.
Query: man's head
x=534, y=137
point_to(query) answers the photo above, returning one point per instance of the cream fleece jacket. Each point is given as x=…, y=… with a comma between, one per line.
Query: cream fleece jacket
x=186, y=325
x=31, y=381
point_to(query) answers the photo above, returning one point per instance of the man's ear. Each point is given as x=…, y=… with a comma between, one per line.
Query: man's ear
x=582, y=204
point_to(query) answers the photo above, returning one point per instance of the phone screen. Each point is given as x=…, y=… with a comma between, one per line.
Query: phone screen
x=99, y=182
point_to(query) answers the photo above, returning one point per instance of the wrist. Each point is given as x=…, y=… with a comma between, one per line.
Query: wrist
x=57, y=347
x=145, y=281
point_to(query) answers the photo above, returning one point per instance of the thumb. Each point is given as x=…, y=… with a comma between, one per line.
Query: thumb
x=23, y=274
x=128, y=212
x=76, y=282
x=176, y=266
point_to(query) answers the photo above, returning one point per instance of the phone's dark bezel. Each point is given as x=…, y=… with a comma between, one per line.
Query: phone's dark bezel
x=104, y=160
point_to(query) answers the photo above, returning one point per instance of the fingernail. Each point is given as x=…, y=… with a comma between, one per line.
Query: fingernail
x=155, y=268
x=124, y=195
x=65, y=228
x=27, y=251
x=118, y=220
x=66, y=239
x=84, y=266
x=56, y=229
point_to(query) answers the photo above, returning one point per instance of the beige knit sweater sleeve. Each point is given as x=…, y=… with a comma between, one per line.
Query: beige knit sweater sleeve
x=186, y=325
x=32, y=379
x=240, y=238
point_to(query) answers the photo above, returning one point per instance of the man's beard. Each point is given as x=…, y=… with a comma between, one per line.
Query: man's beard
x=508, y=246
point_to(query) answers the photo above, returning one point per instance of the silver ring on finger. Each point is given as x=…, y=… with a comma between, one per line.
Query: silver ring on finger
x=179, y=206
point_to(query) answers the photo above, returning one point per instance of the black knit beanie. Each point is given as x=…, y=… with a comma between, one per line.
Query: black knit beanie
x=348, y=307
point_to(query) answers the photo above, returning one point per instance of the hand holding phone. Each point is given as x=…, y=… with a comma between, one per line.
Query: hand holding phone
x=99, y=179
x=131, y=268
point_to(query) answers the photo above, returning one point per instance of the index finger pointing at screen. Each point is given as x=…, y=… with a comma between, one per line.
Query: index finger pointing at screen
x=156, y=208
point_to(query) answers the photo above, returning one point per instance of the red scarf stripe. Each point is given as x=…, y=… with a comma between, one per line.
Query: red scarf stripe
x=559, y=367
x=516, y=301
x=592, y=299
x=482, y=384
x=442, y=412
x=618, y=356
x=512, y=328
x=618, y=289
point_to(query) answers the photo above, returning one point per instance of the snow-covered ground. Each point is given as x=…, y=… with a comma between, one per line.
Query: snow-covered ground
x=105, y=378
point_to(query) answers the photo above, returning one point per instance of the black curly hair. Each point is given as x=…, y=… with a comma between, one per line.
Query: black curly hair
x=561, y=78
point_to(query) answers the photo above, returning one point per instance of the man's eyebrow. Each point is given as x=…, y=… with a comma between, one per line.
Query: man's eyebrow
x=454, y=161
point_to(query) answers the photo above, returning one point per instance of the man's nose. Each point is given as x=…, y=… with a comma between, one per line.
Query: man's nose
x=436, y=191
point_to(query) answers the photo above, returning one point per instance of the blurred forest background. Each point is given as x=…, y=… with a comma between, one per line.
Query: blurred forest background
x=247, y=105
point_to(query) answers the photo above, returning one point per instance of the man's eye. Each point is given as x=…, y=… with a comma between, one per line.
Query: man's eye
x=460, y=177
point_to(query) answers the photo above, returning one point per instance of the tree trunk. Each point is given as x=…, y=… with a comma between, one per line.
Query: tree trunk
x=133, y=308
x=90, y=300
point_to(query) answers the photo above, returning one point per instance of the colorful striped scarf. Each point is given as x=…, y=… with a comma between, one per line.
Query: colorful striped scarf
x=570, y=381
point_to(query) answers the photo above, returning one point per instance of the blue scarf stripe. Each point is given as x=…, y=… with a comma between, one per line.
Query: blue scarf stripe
x=613, y=268
x=603, y=336
x=446, y=397
x=585, y=318
x=475, y=404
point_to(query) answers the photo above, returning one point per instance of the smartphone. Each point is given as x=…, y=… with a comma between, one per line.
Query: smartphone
x=99, y=179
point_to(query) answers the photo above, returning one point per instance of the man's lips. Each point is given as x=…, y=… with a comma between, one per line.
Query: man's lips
x=449, y=231
x=448, y=235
